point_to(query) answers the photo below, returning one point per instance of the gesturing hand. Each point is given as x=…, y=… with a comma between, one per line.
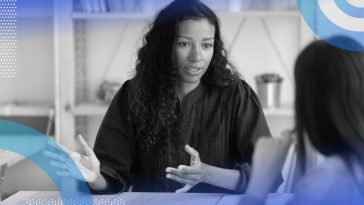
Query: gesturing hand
x=188, y=175
x=69, y=161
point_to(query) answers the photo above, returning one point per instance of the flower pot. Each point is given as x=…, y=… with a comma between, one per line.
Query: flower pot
x=269, y=94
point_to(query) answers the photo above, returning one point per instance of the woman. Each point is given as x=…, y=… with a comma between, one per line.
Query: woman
x=185, y=93
x=329, y=117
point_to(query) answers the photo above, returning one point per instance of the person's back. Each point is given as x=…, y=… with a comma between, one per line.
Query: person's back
x=330, y=183
x=329, y=112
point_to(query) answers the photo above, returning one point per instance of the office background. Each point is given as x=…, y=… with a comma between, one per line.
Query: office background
x=264, y=38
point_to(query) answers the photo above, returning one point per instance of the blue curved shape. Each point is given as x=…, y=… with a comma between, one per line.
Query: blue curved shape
x=350, y=9
x=26, y=141
x=325, y=28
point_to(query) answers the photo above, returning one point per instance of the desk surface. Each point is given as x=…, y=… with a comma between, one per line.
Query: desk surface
x=137, y=198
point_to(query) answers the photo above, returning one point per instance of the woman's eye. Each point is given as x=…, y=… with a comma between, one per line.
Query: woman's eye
x=207, y=45
x=184, y=44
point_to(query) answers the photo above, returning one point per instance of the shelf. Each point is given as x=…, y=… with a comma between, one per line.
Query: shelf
x=144, y=15
x=31, y=110
x=112, y=15
x=90, y=110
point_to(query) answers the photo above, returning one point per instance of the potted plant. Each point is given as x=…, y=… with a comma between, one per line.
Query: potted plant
x=107, y=90
x=269, y=88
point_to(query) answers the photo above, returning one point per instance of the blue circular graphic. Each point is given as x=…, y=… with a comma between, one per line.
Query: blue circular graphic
x=26, y=141
x=328, y=18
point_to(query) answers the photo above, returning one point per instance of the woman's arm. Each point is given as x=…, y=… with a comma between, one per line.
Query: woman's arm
x=225, y=178
x=100, y=183
x=115, y=146
x=268, y=160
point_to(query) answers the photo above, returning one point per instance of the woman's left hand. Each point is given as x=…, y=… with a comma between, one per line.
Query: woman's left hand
x=188, y=175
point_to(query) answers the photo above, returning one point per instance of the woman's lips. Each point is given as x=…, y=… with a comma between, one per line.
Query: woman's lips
x=192, y=69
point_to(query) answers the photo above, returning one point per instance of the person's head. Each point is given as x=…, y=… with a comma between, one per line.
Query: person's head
x=162, y=44
x=329, y=100
x=183, y=44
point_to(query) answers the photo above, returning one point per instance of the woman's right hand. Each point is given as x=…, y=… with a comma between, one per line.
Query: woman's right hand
x=70, y=161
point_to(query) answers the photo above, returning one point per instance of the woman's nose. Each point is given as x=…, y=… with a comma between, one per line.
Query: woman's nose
x=195, y=54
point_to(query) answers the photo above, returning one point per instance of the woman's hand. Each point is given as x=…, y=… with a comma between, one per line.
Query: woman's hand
x=188, y=175
x=69, y=161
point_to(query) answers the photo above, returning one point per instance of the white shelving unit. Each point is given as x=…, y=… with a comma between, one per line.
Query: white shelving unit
x=147, y=15
x=31, y=110
x=66, y=103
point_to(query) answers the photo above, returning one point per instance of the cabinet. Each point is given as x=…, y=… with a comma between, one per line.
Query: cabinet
x=74, y=109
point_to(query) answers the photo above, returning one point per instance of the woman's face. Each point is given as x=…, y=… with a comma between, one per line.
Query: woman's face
x=194, y=49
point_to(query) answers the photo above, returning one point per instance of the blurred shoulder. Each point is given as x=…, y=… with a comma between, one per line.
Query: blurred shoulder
x=331, y=181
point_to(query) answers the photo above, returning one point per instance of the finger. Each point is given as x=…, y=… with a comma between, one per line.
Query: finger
x=288, y=136
x=182, y=171
x=84, y=146
x=180, y=179
x=195, y=158
x=63, y=154
x=63, y=173
x=286, y=133
x=59, y=165
x=184, y=189
x=55, y=156
x=286, y=141
x=58, y=147
x=190, y=150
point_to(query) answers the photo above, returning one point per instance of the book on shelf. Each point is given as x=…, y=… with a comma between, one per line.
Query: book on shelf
x=147, y=5
x=102, y=4
x=86, y=6
x=114, y=5
x=95, y=6
x=130, y=5
x=216, y=5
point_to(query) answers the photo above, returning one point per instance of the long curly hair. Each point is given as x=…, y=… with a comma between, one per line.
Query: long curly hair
x=152, y=88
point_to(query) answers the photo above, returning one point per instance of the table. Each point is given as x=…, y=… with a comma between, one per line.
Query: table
x=139, y=198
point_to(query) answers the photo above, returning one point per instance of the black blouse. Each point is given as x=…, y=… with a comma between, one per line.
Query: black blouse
x=222, y=124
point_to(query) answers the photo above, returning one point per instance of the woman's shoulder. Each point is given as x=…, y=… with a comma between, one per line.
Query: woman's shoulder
x=123, y=93
x=238, y=89
x=239, y=85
